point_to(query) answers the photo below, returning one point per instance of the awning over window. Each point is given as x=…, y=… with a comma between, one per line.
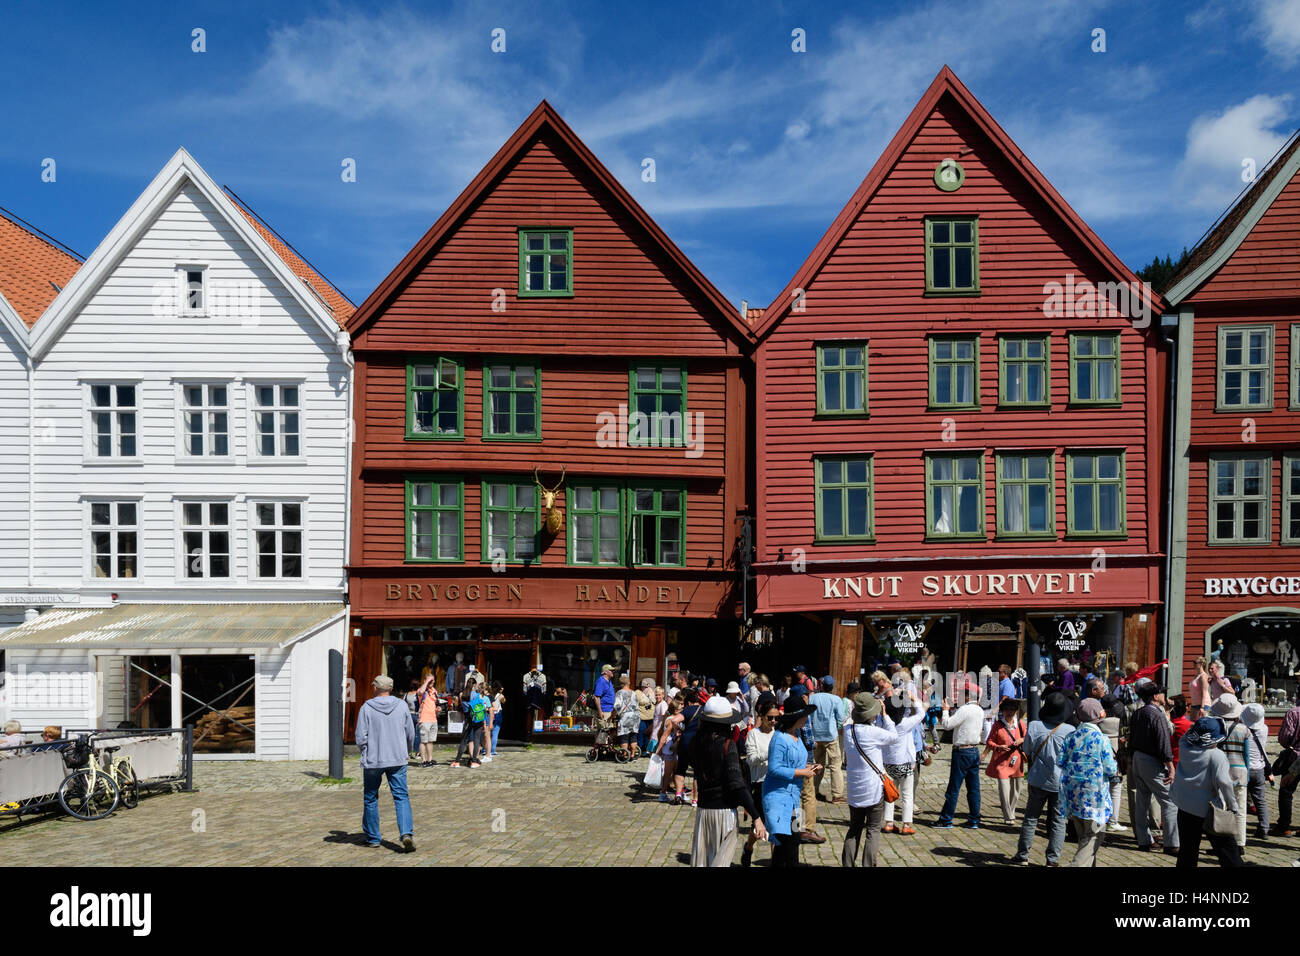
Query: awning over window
x=174, y=626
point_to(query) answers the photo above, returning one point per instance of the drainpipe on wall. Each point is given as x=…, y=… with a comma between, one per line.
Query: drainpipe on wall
x=1170, y=333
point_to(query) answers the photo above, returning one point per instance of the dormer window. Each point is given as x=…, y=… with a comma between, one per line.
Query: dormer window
x=193, y=289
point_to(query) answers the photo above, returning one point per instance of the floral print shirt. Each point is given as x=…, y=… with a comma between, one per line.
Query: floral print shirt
x=1087, y=765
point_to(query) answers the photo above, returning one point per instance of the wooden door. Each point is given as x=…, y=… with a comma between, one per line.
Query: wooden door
x=846, y=651
x=365, y=659
x=648, y=656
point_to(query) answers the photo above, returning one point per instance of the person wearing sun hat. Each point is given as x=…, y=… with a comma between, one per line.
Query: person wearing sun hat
x=865, y=743
x=721, y=786
x=1203, y=777
x=787, y=769
x=1236, y=747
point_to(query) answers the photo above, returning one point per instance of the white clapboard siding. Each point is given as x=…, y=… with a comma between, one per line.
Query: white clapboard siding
x=14, y=506
x=111, y=672
x=121, y=334
x=309, y=738
x=274, y=687
x=50, y=687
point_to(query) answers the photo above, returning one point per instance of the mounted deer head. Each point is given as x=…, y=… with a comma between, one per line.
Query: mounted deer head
x=554, y=519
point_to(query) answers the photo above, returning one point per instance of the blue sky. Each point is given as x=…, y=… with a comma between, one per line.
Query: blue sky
x=756, y=146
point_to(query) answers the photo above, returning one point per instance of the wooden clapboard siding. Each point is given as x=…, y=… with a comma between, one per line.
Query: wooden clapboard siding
x=636, y=298
x=119, y=335
x=14, y=463
x=1267, y=263
x=866, y=280
x=1257, y=285
x=274, y=708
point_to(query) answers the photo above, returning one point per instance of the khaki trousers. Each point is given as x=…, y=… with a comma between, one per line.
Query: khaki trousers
x=808, y=800
x=1090, y=834
x=830, y=754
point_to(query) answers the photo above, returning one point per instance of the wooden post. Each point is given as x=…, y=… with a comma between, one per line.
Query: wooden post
x=846, y=651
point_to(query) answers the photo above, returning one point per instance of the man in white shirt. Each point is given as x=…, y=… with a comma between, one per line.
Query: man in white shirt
x=864, y=743
x=967, y=726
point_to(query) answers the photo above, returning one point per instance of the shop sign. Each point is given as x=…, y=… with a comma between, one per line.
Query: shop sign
x=961, y=585
x=1259, y=586
x=630, y=594
x=908, y=637
x=454, y=592
x=1071, y=638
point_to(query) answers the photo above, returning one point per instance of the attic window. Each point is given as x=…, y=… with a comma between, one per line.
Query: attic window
x=193, y=291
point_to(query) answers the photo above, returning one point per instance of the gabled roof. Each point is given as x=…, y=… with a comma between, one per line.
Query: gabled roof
x=33, y=269
x=543, y=117
x=181, y=168
x=338, y=303
x=945, y=84
x=1227, y=235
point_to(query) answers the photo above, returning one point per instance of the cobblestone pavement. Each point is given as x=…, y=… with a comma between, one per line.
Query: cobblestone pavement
x=542, y=806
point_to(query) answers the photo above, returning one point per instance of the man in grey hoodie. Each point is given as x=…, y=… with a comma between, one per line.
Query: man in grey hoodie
x=385, y=738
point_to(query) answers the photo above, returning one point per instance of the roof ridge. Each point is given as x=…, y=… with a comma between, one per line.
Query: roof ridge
x=253, y=214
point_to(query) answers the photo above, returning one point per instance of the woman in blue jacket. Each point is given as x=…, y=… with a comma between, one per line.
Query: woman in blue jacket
x=787, y=765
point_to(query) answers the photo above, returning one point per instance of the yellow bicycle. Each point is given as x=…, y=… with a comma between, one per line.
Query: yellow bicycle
x=91, y=793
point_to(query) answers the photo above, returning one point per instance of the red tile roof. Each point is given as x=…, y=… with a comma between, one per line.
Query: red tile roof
x=753, y=315
x=33, y=269
x=339, y=304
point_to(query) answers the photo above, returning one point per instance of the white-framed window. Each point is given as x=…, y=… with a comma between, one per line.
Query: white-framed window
x=277, y=419
x=114, y=543
x=205, y=419
x=113, y=426
x=205, y=531
x=278, y=539
x=192, y=289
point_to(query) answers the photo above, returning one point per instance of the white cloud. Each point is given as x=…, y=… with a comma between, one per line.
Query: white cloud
x=1278, y=22
x=1219, y=143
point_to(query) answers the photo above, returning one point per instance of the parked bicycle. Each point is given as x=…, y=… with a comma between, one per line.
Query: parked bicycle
x=90, y=792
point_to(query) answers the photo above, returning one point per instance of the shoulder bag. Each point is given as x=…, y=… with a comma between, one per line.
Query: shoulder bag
x=1220, y=822
x=891, y=788
x=1039, y=748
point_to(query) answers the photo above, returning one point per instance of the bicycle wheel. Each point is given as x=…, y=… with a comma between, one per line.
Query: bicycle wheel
x=621, y=755
x=593, y=755
x=88, y=796
x=128, y=787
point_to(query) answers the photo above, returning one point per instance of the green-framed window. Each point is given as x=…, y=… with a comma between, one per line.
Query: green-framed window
x=657, y=520
x=435, y=399
x=1026, y=495
x=595, y=522
x=1024, y=366
x=546, y=262
x=512, y=401
x=1294, y=386
x=1291, y=499
x=1094, y=368
x=1095, y=494
x=435, y=519
x=952, y=257
x=657, y=403
x=1244, y=377
x=842, y=378
x=954, y=495
x=954, y=371
x=1240, y=507
x=511, y=520
x=844, y=499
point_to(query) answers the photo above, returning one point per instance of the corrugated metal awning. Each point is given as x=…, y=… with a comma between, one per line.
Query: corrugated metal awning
x=173, y=625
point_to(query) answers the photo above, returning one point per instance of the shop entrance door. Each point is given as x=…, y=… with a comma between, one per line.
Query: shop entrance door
x=509, y=665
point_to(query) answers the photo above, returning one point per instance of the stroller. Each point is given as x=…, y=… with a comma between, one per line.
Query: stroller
x=605, y=743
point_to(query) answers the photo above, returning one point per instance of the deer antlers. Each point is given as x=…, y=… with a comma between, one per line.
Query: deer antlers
x=551, y=491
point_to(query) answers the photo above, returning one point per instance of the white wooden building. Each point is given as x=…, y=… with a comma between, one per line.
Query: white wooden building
x=33, y=269
x=192, y=389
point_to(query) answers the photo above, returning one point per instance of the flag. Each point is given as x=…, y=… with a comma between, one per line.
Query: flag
x=1145, y=672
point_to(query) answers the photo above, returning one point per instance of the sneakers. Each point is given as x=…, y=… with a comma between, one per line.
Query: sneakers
x=973, y=825
x=1018, y=861
x=371, y=846
x=474, y=765
x=1115, y=828
x=408, y=844
x=487, y=759
x=664, y=798
x=940, y=826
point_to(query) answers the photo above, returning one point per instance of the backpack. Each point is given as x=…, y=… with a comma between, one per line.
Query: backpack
x=478, y=710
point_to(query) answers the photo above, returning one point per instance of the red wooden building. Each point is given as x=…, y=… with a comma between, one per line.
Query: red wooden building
x=545, y=335
x=958, y=435
x=1235, y=568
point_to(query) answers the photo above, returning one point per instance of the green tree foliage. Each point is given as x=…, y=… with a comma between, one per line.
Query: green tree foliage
x=1161, y=272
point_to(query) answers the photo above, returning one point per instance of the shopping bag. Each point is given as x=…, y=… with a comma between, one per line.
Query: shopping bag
x=654, y=774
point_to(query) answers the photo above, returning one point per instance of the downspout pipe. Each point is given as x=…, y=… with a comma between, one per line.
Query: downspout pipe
x=1170, y=333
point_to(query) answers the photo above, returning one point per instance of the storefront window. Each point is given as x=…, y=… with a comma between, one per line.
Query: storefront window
x=1259, y=654
x=572, y=667
x=413, y=653
x=1093, y=641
